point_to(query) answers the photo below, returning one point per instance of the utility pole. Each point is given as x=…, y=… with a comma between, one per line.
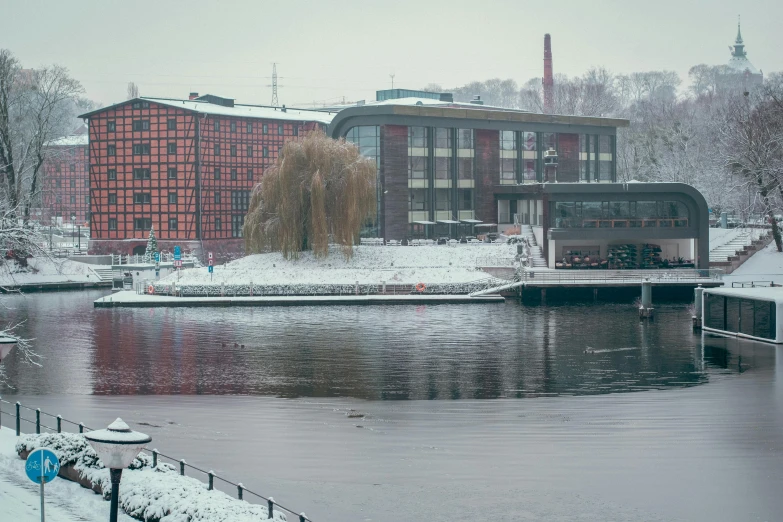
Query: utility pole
x=275, y=103
x=392, y=79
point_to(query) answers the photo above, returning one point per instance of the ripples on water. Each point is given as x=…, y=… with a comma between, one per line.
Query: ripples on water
x=386, y=352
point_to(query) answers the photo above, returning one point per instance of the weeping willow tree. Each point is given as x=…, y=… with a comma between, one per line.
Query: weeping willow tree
x=318, y=189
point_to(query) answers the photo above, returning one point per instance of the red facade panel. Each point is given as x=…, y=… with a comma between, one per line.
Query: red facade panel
x=65, y=192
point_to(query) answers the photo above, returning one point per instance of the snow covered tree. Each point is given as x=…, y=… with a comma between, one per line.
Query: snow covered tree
x=152, y=246
x=319, y=188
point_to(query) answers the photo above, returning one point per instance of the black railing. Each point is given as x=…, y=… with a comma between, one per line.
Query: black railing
x=156, y=455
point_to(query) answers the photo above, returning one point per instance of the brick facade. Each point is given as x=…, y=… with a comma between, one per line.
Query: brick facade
x=187, y=174
x=65, y=185
x=394, y=180
x=487, y=174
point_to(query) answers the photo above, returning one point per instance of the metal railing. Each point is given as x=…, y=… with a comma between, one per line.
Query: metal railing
x=620, y=276
x=210, y=475
x=137, y=259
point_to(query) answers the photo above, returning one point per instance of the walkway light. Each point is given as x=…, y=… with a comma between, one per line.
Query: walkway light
x=6, y=345
x=117, y=446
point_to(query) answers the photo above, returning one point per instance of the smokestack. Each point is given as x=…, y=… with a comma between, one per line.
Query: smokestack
x=193, y=96
x=548, y=80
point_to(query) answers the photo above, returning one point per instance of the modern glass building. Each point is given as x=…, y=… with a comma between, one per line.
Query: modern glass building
x=444, y=168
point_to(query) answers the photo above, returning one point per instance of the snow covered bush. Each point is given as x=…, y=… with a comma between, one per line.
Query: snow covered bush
x=149, y=494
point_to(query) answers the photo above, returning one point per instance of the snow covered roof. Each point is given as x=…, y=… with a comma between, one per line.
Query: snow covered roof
x=741, y=64
x=431, y=102
x=76, y=140
x=765, y=293
x=236, y=110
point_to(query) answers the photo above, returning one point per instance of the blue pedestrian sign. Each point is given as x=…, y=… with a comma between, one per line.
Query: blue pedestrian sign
x=177, y=253
x=210, y=268
x=157, y=257
x=42, y=466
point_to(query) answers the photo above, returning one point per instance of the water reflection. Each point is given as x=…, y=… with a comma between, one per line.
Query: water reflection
x=388, y=353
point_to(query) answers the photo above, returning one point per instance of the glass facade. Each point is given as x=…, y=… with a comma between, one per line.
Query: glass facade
x=368, y=139
x=619, y=214
x=733, y=314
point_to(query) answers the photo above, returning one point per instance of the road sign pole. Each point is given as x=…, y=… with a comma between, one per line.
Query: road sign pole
x=43, y=518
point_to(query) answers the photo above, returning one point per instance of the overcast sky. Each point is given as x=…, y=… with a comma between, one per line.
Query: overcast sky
x=330, y=49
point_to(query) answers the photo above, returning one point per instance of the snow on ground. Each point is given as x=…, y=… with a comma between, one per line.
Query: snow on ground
x=65, y=501
x=369, y=265
x=46, y=271
x=765, y=265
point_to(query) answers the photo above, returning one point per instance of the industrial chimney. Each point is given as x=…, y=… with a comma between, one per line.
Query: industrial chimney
x=193, y=96
x=548, y=80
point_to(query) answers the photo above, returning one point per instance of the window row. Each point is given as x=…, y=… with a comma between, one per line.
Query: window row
x=418, y=167
x=444, y=199
x=58, y=200
x=217, y=126
x=216, y=149
x=141, y=125
x=233, y=174
x=72, y=183
x=619, y=214
x=443, y=138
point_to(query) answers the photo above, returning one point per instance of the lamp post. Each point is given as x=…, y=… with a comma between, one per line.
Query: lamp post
x=6, y=345
x=117, y=446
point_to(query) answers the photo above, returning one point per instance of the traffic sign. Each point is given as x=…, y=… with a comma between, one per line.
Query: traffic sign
x=157, y=257
x=178, y=263
x=210, y=267
x=209, y=255
x=210, y=261
x=177, y=253
x=42, y=466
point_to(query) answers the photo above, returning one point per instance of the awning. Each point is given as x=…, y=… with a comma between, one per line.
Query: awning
x=487, y=225
x=448, y=221
x=424, y=222
x=471, y=221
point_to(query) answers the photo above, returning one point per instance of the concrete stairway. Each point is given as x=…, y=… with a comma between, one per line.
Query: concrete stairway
x=536, y=259
x=730, y=248
x=104, y=274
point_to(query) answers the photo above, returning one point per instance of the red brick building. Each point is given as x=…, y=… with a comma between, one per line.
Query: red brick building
x=184, y=167
x=65, y=194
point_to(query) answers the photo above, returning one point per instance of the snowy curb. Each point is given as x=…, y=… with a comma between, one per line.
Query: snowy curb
x=148, y=494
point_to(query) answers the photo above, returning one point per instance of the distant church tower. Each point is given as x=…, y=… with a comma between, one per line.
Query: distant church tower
x=740, y=73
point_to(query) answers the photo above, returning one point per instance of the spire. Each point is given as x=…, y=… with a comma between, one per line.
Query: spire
x=739, y=47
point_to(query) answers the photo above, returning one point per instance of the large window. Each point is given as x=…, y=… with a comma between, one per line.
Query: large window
x=141, y=149
x=443, y=139
x=443, y=167
x=140, y=125
x=619, y=214
x=142, y=223
x=417, y=167
x=443, y=199
x=508, y=157
x=465, y=168
x=141, y=173
x=417, y=137
x=464, y=138
x=237, y=222
x=142, y=197
x=732, y=314
x=418, y=200
x=240, y=199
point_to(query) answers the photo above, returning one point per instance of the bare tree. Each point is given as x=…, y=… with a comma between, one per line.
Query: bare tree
x=23, y=349
x=36, y=106
x=133, y=90
x=752, y=137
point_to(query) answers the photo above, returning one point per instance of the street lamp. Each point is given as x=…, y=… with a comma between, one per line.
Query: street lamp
x=6, y=345
x=117, y=446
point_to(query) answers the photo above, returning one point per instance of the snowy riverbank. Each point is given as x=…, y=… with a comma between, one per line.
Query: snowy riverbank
x=65, y=501
x=402, y=265
x=47, y=271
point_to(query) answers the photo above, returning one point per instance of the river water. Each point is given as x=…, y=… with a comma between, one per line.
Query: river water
x=447, y=412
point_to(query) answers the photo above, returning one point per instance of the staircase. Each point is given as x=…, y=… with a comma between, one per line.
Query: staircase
x=730, y=248
x=536, y=258
x=104, y=274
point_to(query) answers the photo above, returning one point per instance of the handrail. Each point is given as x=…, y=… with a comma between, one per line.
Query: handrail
x=271, y=504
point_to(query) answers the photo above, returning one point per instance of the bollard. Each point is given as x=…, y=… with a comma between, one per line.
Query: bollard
x=271, y=506
x=38, y=421
x=724, y=222
x=18, y=418
x=182, y=467
x=59, y=424
x=302, y=517
x=239, y=490
x=356, y=288
x=211, y=476
x=646, y=309
x=698, y=295
x=251, y=288
x=384, y=287
x=155, y=458
x=81, y=427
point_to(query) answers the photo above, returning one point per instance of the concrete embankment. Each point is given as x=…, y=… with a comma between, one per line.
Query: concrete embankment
x=132, y=299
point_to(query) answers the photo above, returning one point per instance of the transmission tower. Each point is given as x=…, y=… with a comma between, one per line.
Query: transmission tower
x=275, y=103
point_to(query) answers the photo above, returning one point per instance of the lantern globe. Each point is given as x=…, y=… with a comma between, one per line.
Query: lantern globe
x=117, y=445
